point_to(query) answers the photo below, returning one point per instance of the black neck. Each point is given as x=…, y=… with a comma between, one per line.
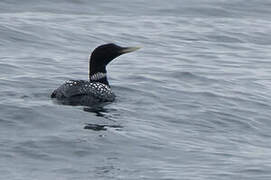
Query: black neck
x=95, y=72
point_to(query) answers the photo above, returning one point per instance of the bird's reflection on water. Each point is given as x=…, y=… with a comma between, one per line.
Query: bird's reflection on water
x=98, y=127
x=99, y=111
x=106, y=113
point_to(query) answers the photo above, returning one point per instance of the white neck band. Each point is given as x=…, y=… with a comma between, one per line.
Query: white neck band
x=97, y=76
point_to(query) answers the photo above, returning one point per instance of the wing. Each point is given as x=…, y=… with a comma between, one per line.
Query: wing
x=70, y=88
x=81, y=89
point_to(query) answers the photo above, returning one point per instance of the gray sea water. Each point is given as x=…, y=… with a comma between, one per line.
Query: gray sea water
x=193, y=103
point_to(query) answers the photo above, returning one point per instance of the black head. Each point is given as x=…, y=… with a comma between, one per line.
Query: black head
x=103, y=55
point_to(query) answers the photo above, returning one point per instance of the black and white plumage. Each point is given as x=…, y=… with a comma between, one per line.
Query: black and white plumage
x=97, y=89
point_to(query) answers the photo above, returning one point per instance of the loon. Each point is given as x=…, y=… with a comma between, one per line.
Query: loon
x=97, y=89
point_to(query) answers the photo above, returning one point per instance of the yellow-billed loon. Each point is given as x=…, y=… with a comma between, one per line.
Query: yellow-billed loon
x=97, y=89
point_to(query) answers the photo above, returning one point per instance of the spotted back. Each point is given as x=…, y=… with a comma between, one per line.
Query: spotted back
x=75, y=88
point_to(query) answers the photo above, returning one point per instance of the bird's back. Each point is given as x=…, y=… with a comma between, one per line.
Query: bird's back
x=80, y=92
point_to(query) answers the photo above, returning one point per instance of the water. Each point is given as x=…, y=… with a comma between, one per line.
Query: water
x=193, y=103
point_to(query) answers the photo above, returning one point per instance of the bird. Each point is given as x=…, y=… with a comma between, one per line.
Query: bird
x=97, y=88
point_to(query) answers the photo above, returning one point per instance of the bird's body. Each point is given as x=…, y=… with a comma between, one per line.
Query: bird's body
x=97, y=89
x=83, y=92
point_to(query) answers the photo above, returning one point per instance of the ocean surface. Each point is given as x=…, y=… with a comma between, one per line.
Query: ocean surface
x=193, y=103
